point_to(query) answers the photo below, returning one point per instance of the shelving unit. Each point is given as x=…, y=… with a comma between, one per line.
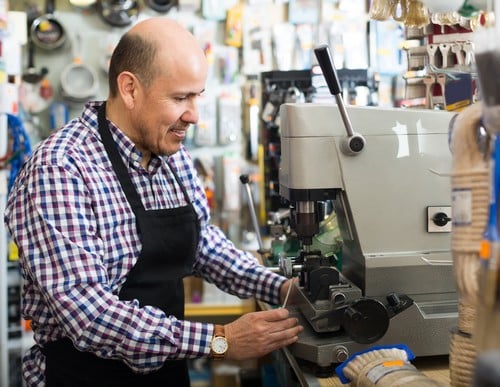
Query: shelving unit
x=210, y=310
x=4, y=335
x=277, y=87
x=11, y=335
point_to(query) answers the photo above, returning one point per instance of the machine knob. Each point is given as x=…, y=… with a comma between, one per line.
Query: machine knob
x=441, y=219
x=353, y=144
x=366, y=320
x=398, y=303
x=338, y=298
x=393, y=299
x=340, y=353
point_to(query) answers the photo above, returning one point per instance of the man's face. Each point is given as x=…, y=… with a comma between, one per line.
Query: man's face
x=167, y=108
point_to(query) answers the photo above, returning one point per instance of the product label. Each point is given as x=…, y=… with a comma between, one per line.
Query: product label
x=461, y=202
x=386, y=368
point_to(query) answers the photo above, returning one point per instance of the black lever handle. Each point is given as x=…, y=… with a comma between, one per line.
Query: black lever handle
x=324, y=58
x=355, y=142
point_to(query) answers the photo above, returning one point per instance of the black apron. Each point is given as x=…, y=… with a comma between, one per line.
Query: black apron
x=169, y=240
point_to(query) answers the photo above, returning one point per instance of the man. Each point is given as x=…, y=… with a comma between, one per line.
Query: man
x=109, y=216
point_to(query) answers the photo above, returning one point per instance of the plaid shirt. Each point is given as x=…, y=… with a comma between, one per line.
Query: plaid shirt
x=77, y=240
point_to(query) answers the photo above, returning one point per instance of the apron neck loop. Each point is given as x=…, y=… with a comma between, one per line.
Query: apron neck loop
x=118, y=165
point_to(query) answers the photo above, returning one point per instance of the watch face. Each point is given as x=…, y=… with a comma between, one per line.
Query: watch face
x=219, y=345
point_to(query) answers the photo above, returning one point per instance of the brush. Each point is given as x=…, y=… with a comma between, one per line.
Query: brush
x=383, y=366
x=488, y=60
x=417, y=15
x=380, y=10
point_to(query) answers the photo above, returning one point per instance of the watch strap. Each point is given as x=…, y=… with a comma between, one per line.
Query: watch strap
x=219, y=331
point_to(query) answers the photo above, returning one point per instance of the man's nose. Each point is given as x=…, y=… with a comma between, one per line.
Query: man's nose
x=191, y=114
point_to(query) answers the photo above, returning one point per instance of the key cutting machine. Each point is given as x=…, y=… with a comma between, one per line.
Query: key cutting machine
x=391, y=198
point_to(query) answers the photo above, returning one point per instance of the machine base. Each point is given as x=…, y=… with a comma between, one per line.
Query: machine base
x=425, y=328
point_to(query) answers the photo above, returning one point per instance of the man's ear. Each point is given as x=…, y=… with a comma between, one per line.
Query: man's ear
x=127, y=87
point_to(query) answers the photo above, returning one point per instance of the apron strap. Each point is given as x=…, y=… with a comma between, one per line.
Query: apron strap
x=178, y=180
x=116, y=161
x=119, y=166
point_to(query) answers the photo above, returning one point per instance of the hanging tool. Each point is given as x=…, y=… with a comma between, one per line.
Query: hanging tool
x=79, y=81
x=441, y=81
x=35, y=91
x=457, y=49
x=31, y=75
x=429, y=81
x=432, y=52
x=399, y=10
x=161, y=6
x=445, y=53
x=46, y=31
x=119, y=13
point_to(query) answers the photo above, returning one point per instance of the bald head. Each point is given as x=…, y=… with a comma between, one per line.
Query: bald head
x=151, y=48
x=161, y=28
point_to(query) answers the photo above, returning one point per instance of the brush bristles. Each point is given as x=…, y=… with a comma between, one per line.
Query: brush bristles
x=356, y=365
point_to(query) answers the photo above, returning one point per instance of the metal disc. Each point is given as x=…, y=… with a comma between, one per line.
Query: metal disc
x=366, y=320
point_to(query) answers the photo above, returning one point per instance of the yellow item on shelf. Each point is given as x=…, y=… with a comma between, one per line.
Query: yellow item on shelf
x=234, y=25
x=13, y=252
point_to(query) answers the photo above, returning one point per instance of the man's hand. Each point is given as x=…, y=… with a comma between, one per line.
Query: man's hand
x=256, y=334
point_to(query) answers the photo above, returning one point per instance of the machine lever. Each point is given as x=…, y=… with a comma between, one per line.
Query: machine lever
x=245, y=181
x=355, y=142
x=324, y=58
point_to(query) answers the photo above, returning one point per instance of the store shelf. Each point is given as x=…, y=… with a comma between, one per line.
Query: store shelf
x=206, y=309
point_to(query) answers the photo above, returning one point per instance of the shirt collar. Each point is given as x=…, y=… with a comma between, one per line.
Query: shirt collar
x=131, y=155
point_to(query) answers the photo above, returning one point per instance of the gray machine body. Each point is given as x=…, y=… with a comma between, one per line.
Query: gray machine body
x=385, y=202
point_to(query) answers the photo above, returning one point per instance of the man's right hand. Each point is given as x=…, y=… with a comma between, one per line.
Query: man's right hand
x=256, y=334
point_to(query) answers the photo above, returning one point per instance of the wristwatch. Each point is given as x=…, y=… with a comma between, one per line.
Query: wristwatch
x=219, y=345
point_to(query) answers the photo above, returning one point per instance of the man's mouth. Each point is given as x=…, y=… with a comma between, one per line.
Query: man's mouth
x=178, y=132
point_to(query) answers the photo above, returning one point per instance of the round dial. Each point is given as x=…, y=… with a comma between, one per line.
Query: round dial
x=219, y=345
x=366, y=320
